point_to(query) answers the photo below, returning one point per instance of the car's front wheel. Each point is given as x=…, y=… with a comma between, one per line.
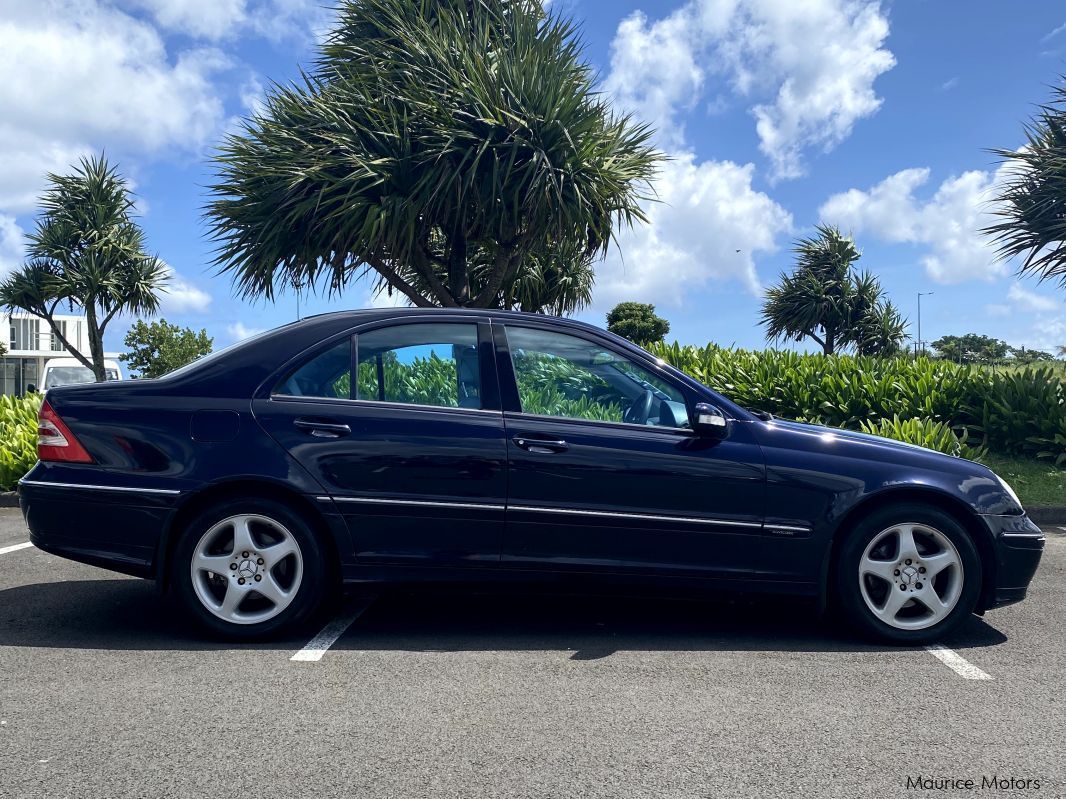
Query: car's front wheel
x=908, y=574
x=248, y=568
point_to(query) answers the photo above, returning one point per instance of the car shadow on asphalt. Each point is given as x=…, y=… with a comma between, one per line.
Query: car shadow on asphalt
x=127, y=614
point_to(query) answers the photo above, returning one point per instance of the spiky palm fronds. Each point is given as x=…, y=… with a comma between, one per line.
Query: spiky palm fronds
x=88, y=251
x=1031, y=202
x=824, y=301
x=450, y=147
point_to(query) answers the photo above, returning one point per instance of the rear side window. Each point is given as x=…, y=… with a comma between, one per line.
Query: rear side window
x=328, y=374
x=420, y=364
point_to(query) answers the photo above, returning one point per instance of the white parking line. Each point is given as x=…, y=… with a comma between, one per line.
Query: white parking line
x=957, y=663
x=14, y=548
x=328, y=635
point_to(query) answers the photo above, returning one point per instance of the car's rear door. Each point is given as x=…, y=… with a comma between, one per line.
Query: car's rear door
x=605, y=473
x=411, y=451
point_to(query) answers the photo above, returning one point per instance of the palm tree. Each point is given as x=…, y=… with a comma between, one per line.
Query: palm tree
x=454, y=150
x=824, y=301
x=1061, y=352
x=1031, y=202
x=881, y=331
x=87, y=251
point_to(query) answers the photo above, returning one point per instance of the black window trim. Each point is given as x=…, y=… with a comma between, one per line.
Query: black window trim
x=490, y=383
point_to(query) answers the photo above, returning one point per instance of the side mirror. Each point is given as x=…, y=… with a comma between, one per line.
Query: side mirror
x=710, y=422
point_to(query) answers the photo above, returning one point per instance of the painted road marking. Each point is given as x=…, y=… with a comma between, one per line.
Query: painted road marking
x=957, y=663
x=14, y=548
x=328, y=635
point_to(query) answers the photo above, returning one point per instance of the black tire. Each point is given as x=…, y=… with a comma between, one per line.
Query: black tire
x=314, y=586
x=846, y=580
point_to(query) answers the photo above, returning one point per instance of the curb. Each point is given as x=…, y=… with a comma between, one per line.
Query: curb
x=9, y=499
x=1047, y=515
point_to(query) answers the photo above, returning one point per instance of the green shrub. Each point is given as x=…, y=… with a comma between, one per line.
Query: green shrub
x=18, y=437
x=925, y=433
x=1021, y=412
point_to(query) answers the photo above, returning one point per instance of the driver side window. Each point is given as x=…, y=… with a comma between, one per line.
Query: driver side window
x=563, y=375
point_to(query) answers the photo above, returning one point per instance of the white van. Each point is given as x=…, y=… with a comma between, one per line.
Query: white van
x=65, y=371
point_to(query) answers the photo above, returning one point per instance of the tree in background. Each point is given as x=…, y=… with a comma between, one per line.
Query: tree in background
x=881, y=330
x=86, y=251
x=1061, y=352
x=457, y=150
x=160, y=347
x=1022, y=356
x=971, y=348
x=826, y=301
x=1031, y=202
x=638, y=322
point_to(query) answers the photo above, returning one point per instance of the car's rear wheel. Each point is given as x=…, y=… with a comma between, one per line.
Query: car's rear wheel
x=908, y=574
x=248, y=568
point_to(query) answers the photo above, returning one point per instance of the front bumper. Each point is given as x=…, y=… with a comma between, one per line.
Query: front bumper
x=1018, y=544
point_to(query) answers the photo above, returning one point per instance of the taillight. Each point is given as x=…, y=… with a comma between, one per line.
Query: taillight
x=55, y=442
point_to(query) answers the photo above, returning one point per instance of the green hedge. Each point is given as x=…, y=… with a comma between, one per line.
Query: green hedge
x=1020, y=413
x=18, y=437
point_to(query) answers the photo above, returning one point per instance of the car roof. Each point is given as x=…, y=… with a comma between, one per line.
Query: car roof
x=369, y=314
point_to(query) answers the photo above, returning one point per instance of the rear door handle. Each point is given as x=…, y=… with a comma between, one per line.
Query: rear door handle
x=542, y=446
x=322, y=429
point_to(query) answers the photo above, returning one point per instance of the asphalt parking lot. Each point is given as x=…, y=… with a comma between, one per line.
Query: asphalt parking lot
x=105, y=692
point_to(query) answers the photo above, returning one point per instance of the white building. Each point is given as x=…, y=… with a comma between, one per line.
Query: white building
x=30, y=344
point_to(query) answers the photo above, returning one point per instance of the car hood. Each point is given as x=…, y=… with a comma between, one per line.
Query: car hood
x=831, y=435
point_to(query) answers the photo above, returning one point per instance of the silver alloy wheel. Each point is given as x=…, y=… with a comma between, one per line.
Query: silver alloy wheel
x=911, y=576
x=247, y=569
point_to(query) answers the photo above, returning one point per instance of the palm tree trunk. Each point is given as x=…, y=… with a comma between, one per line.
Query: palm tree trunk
x=458, y=277
x=96, y=342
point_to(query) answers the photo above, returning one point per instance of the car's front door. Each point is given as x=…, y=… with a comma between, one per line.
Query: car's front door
x=412, y=450
x=605, y=472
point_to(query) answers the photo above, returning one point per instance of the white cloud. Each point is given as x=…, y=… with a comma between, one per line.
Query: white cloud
x=655, y=71
x=11, y=246
x=79, y=75
x=238, y=331
x=208, y=19
x=181, y=296
x=1054, y=33
x=948, y=223
x=292, y=19
x=707, y=228
x=214, y=20
x=808, y=68
x=1026, y=300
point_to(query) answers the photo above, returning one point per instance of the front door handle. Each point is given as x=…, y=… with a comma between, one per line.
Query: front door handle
x=322, y=429
x=542, y=446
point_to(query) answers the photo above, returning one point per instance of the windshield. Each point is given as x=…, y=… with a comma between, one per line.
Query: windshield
x=70, y=375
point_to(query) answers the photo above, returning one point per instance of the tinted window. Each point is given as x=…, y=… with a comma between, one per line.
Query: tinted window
x=563, y=375
x=420, y=364
x=327, y=374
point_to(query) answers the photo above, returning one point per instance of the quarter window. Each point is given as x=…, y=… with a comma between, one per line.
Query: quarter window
x=328, y=374
x=420, y=364
x=567, y=376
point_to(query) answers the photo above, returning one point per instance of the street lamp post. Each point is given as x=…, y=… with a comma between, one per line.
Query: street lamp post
x=918, y=343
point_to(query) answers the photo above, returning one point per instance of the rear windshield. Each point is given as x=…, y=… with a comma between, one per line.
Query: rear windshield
x=71, y=375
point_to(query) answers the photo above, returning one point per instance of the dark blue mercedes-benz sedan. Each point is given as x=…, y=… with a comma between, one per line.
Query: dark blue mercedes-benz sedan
x=431, y=445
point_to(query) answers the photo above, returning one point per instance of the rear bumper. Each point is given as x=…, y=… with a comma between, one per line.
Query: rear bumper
x=1019, y=544
x=114, y=527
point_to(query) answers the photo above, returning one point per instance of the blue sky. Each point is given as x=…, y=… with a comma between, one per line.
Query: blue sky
x=777, y=114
